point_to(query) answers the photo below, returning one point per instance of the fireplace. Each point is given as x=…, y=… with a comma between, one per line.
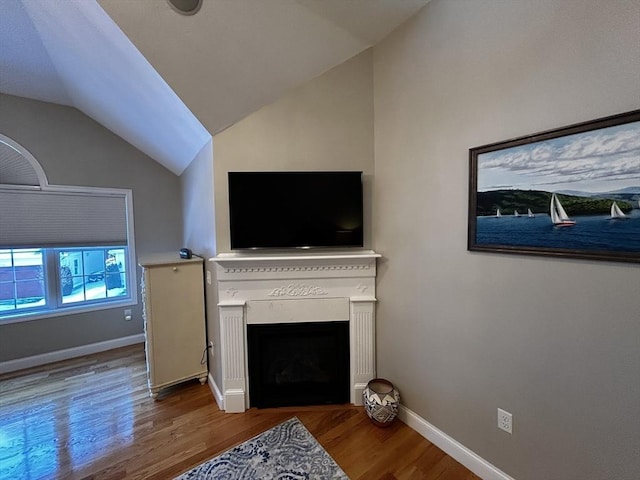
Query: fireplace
x=296, y=292
x=298, y=364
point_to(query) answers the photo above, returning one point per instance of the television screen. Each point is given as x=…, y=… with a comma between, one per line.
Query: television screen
x=295, y=209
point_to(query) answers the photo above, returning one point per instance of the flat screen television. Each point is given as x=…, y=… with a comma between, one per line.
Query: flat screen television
x=295, y=209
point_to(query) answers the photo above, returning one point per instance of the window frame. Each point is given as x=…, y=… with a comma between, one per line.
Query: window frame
x=26, y=174
x=51, y=263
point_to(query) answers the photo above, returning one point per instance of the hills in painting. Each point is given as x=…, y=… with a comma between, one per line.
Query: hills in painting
x=575, y=203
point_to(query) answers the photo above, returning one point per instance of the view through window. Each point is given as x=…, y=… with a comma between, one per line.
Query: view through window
x=39, y=279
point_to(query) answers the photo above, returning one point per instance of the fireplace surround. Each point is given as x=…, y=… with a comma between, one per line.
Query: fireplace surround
x=271, y=289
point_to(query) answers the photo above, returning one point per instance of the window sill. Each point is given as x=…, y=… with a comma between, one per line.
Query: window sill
x=64, y=312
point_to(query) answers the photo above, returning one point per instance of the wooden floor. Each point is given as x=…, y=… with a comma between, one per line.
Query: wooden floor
x=92, y=418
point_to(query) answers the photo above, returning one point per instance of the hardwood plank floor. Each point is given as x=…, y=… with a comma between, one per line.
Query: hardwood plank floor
x=92, y=418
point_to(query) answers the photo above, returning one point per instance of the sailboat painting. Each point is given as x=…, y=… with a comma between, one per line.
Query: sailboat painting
x=579, y=186
x=616, y=213
x=558, y=215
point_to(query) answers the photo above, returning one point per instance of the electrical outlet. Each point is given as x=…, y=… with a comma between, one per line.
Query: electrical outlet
x=208, y=277
x=505, y=421
x=127, y=315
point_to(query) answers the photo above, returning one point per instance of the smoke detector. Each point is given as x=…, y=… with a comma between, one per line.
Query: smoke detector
x=186, y=7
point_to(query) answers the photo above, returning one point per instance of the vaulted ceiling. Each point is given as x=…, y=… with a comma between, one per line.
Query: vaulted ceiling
x=166, y=82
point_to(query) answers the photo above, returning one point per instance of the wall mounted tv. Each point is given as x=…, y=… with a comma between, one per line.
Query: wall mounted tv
x=295, y=209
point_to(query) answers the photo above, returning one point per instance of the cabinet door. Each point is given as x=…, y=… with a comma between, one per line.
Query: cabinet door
x=176, y=322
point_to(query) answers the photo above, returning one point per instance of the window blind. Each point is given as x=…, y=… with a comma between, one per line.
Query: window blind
x=65, y=218
x=15, y=169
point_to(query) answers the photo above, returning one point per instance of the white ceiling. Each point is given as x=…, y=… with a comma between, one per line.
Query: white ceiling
x=165, y=82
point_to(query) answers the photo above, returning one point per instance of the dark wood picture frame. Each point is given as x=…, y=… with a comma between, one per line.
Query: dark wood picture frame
x=569, y=192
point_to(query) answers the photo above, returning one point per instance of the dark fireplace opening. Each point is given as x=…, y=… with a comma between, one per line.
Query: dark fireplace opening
x=293, y=364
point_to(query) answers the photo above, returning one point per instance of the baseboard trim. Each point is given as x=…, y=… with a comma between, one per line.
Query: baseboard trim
x=58, y=355
x=451, y=447
x=217, y=394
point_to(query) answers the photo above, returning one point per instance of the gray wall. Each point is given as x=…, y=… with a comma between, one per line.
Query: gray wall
x=199, y=235
x=555, y=342
x=74, y=150
x=326, y=124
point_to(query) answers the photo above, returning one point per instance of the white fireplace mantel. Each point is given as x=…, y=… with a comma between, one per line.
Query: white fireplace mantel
x=279, y=288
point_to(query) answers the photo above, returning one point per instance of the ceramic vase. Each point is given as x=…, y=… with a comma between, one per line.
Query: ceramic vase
x=381, y=401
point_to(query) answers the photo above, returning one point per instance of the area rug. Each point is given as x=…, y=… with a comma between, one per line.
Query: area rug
x=287, y=451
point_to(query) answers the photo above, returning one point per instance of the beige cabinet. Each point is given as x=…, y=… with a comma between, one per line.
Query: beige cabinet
x=173, y=309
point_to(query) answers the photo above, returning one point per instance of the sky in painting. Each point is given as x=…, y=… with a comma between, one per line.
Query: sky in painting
x=597, y=161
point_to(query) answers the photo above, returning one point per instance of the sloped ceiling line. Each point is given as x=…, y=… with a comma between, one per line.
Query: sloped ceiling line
x=110, y=81
x=157, y=78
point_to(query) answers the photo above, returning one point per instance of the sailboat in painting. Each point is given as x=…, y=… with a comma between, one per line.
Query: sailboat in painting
x=616, y=213
x=530, y=213
x=498, y=214
x=558, y=215
x=515, y=213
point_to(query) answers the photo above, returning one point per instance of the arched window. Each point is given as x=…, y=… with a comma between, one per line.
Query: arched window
x=62, y=249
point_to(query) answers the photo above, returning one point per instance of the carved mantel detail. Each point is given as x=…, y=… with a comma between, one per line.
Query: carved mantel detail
x=276, y=269
x=297, y=290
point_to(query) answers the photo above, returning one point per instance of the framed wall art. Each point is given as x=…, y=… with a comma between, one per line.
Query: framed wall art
x=569, y=192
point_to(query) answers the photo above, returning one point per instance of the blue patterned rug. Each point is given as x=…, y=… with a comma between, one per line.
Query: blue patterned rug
x=286, y=452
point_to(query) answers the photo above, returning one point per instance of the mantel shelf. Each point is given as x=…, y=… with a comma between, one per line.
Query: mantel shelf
x=241, y=257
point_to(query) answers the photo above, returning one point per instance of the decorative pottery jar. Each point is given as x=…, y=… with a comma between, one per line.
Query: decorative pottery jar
x=381, y=401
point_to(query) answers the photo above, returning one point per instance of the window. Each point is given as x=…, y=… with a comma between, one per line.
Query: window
x=62, y=249
x=22, y=280
x=102, y=274
x=38, y=280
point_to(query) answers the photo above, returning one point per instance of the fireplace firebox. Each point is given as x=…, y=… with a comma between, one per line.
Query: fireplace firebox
x=298, y=364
